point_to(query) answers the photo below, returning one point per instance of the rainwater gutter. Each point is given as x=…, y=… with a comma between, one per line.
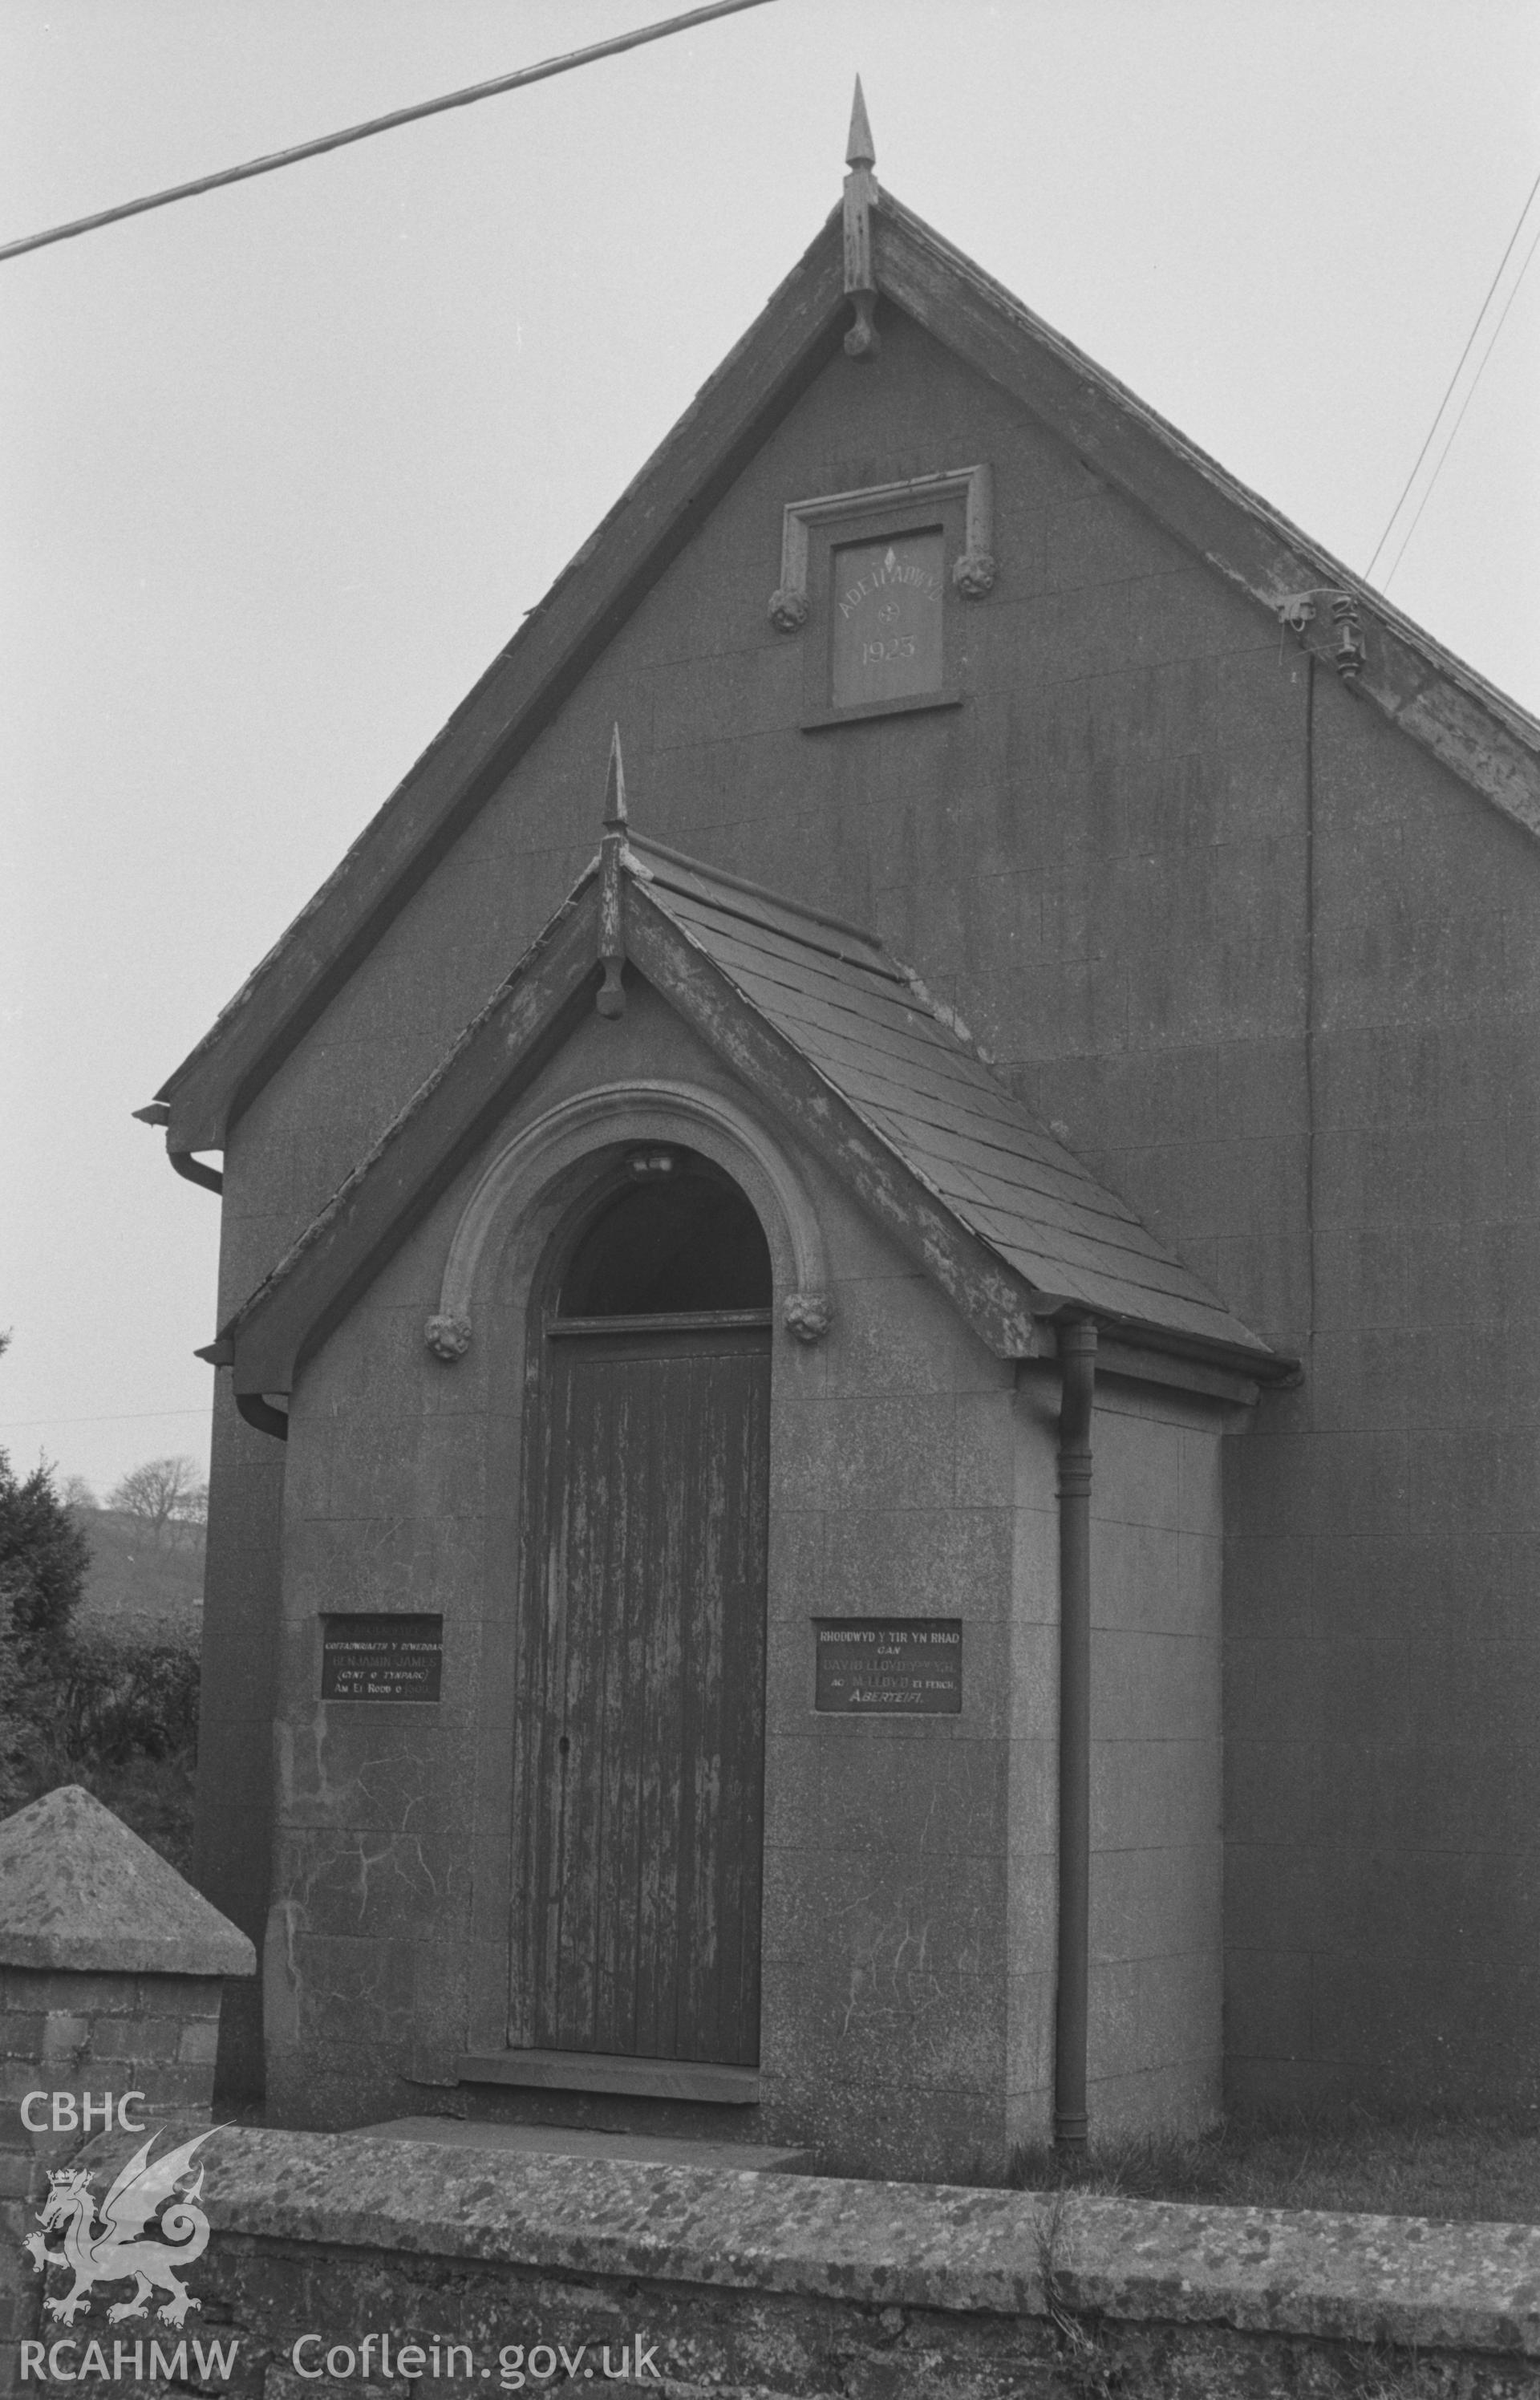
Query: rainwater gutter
x=1077, y=1350
x=253, y=1407
x=193, y=1169
x=257, y=1413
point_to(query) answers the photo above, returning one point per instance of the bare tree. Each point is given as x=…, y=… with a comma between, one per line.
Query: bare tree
x=164, y=1495
x=77, y=1494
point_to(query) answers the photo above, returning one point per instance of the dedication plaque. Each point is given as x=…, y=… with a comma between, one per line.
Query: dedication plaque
x=886, y=619
x=889, y=1666
x=381, y=1657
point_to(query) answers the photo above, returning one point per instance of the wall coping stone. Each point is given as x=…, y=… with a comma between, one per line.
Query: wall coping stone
x=78, y=1891
x=1406, y=2281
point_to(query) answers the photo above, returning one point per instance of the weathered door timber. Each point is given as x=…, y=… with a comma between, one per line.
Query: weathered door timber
x=639, y=1722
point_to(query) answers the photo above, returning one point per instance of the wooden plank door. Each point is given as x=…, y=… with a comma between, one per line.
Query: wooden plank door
x=639, y=1721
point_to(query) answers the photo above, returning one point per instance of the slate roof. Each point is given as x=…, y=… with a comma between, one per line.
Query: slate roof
x=921, y=1097
x=1434, y=698
x=868, y=1026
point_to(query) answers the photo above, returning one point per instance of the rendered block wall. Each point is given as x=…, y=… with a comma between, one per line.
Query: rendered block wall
x=1155, y=2051
x=888, y=1862
x=1385, y=1654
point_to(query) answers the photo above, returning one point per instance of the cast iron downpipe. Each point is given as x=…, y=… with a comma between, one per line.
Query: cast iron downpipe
x=262, y=1415
x=193, y=1170
x=1077, y=1350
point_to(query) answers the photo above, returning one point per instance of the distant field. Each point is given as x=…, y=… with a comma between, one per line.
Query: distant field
x=117, y=1709
x=135, y=1581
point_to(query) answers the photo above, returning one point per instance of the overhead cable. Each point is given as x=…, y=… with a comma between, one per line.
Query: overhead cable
x=1390, y=575
x=114, y=1416
x=270, y=164
x=1454, y=378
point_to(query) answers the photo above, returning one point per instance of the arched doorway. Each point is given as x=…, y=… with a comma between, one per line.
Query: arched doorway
x=638, y=1766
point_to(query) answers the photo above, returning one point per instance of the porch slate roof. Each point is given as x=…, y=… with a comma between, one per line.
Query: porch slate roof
x=867, y=1024
x=843, y=1043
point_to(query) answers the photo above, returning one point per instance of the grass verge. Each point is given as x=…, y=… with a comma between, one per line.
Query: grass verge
x=1469, y=2168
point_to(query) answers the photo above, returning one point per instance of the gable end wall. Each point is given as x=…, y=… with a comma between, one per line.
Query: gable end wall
x=1271, y=969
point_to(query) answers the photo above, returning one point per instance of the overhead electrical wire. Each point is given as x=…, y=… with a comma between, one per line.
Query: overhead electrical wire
x=277, y=158
x=1390, y=575
x=1459, y=369
x=114, y=1416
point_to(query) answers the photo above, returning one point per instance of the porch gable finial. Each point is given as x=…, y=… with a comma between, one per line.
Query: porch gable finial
x=610, y=1000
x=615, y=786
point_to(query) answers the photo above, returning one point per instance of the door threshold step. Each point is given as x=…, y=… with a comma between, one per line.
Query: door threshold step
x=592, y=2071
x=574, y=2142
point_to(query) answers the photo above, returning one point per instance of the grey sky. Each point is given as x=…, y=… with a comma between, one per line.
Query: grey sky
x=283, y=467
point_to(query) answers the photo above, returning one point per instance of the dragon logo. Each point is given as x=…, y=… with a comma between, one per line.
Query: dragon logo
x=110, y=2251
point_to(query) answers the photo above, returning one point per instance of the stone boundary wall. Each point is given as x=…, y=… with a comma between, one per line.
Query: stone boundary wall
x=741, y=2283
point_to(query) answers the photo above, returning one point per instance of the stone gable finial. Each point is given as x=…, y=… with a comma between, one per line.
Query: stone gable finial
x=861, y=342
x=859, y=149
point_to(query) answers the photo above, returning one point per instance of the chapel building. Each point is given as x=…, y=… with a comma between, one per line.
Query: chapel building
x=875, y=1465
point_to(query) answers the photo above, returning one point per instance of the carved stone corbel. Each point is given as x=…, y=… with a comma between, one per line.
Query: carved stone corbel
x=788, y=610
x=447, y=1337
x=974, y=574
x=807, y=1315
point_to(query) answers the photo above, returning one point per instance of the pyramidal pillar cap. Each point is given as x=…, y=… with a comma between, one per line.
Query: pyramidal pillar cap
x=79, y=1892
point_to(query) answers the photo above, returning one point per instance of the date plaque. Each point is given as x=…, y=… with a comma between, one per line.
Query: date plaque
x=381, y=1657
x=888, y=1666
x=885, y=618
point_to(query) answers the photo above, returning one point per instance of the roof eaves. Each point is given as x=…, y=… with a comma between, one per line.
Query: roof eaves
x=1480, y=732
x=732, y=414
x=1051, y=1303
